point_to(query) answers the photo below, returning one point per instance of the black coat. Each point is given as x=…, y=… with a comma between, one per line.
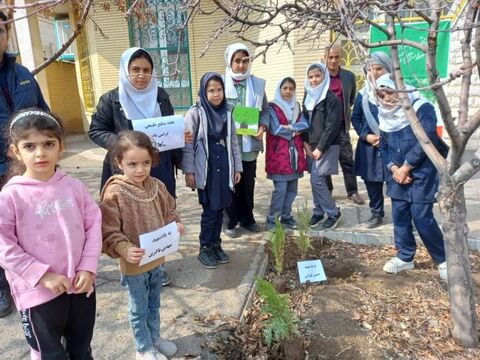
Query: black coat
x=368, y=160
x=110, y=120
x=324, y=123
x=349, y=88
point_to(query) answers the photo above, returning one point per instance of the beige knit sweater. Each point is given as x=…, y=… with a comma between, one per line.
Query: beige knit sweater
x=128, y=210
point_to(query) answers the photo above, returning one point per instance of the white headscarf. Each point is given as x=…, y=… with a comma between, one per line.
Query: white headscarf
x=318, y=94
x=230, y=91
x=137, y=104
x=368, y=91
x=290, y=108
x=395, y=119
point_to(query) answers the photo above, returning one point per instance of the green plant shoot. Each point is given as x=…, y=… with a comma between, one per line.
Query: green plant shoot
x=303, y=240
x=282, y=323
x=277, y=241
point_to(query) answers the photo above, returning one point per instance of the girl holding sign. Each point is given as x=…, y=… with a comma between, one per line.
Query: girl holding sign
x=212, y=164
x=323, y=109
x=133, y=204
x=50, y=241
x=138, y=96
x=246, y=93
x=285, y=156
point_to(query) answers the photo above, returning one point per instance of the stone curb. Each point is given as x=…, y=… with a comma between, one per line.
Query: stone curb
x=369, y=238
x=260, y=272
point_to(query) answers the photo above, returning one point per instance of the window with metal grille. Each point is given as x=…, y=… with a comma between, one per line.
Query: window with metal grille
x=163, y=38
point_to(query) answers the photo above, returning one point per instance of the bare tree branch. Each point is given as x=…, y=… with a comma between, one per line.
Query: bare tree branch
x=29, y=5
x=78, y=28
x=427, y=146
x=39, y=9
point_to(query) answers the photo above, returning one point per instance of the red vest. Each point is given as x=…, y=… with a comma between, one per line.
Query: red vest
x=277, y=158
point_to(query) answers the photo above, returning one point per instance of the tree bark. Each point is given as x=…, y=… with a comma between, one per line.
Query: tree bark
x=461, y=292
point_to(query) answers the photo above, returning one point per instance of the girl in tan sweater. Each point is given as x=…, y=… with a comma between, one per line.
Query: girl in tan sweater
x=133, y=204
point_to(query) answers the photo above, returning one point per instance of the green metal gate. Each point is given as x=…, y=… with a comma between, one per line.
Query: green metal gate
x=161, y=39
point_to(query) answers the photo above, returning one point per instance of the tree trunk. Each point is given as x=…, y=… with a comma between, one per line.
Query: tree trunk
x=460, y=286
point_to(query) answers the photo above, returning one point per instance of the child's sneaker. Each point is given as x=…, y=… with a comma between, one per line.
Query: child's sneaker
x=150, y=355
x=165, y=347
x=332, y=222
x=442, y=270
x=316, y=220
x=396, y=265
x=207, y=258
x=290, y=223
x=220, y=255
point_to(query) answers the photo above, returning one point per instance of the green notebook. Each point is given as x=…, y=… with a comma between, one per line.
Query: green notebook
x=246, y=119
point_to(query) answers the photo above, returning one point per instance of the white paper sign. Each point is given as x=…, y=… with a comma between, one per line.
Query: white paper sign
x=159, y=243
x=166, y=132
x=311, y=271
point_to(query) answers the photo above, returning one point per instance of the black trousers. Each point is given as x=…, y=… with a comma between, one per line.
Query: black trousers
x=210, y=226
x=375, y=194
x=347, y=164
x=3, y=281
x=69, y=315
x=241, y=210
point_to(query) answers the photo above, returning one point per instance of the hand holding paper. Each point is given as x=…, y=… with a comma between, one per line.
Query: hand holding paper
x=134, y=255
x=181, y=228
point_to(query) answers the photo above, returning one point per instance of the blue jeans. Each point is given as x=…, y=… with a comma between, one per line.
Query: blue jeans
x=144, y=306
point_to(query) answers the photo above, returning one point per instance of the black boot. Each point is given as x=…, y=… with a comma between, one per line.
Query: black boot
x=207, y=257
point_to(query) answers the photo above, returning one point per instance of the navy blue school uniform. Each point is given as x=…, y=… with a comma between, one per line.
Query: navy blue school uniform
x=213, y=159
x=368, y=160
x=217, y=194
x=414, y=201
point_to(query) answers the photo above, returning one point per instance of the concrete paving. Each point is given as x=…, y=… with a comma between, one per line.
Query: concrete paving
x=197, y=293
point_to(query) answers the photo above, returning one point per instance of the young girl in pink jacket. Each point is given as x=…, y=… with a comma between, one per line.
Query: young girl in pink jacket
x=50, y=241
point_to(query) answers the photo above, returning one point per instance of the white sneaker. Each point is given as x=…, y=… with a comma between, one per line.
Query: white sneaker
x=165, y=347
x=395, y=265
x=442, y=270
x=150, y=355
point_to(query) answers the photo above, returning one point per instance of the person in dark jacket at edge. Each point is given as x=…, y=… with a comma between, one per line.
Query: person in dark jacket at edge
x=343, y=84
x=138, y=96
x=19, y=90
x=322, y=108
x=368, y=160
x=412, y=179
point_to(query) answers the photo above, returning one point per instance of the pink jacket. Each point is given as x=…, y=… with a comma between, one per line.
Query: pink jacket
x=46, y=226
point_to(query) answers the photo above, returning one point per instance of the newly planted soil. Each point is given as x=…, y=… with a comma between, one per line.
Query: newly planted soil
x=360, y=312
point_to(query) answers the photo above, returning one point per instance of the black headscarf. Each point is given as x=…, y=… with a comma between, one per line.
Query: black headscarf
x=216, y=115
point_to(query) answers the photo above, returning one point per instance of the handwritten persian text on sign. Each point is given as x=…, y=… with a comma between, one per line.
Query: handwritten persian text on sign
x=311, y=271
x=166, y=132
x=159, y=243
